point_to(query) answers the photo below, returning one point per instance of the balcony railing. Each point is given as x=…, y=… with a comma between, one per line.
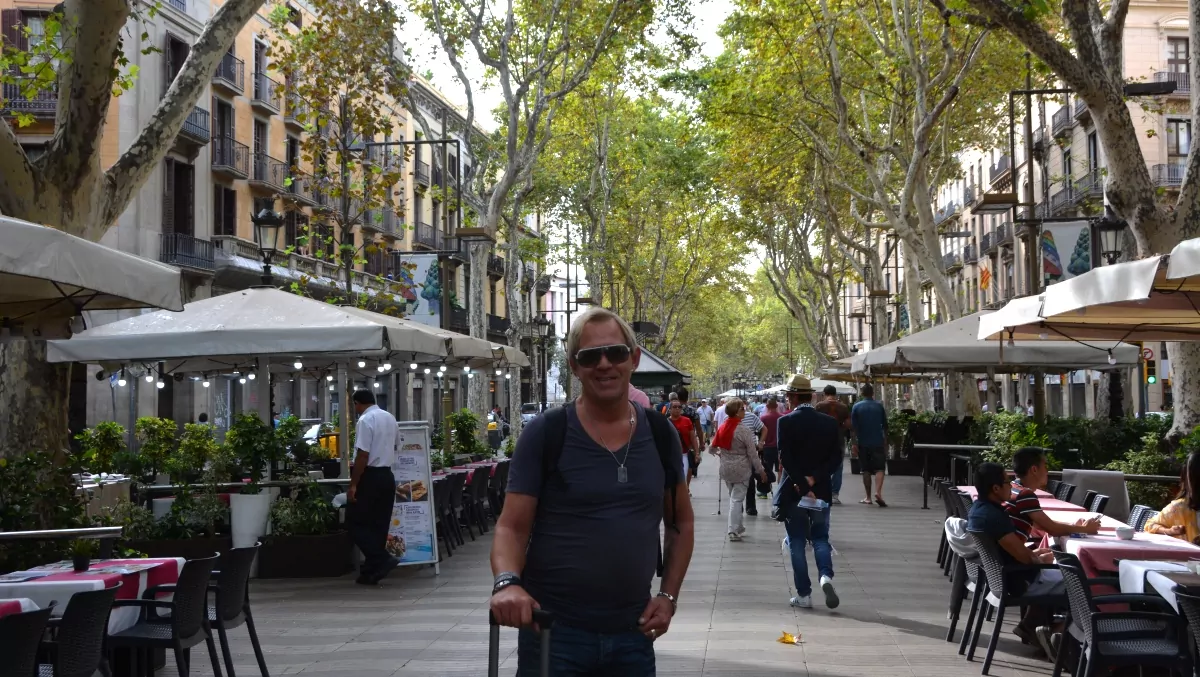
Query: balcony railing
x=267, y=172
x=1089, y=186
x=301, y=188
x=1002, y=168
x=458, y=319
x=495, y=265
x=180, y=5
x=1081, y=109
x=428, y=236
x=186, y=251
x=231, y=157
x=1062, y=200
x=498, y=325
x=1003, y=235
x=951, y=262
x=423, y=173
x=296, y=109
x=1061, y=121
x=1183, y=81
x=969, y=195
x=195, y=127
x=43, y=104
x=969, y=254
x=945, y=212
x=235, y=246
x=266, y=93
x=543, y=284
x=1168, y=175
x=230, y=73
x=987, y=243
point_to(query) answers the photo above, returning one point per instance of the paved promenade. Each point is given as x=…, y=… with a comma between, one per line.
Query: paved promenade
x=892, y=619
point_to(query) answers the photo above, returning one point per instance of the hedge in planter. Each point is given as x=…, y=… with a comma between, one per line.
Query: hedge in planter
x=305, y=541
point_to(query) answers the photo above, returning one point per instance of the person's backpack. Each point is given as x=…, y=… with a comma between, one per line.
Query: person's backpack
x=555, y=422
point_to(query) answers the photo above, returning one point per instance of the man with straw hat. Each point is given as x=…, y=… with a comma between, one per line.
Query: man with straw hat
x=810, y=450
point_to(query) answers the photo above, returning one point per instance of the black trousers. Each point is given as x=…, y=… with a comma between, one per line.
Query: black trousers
x=370, y=515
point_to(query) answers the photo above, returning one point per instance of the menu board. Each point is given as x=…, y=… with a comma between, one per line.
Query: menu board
x=412, y=536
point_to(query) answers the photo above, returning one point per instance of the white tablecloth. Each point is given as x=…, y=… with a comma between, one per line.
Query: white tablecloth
x=1142, y=577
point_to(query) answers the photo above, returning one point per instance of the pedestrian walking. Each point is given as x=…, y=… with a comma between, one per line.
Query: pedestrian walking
x=738, y=450
x=754, y=424
x=372, y=487
x=809, y=449
x=688, y=438
x=590, y=485
x=832, y=406
x=705, y=413
x=770, y=448
x=868, y=421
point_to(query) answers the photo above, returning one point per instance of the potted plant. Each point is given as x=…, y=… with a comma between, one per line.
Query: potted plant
x=305, y=541
x=82, y=551
x=101, y=445
x=156, y=437
x=290, y=436
x=254, y=445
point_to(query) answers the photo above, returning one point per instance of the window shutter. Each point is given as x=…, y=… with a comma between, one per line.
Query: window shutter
x=187, y=222
x=10, y=27
x=168, y=223
x=230, y=211
x=168, y=65
x=218, y=212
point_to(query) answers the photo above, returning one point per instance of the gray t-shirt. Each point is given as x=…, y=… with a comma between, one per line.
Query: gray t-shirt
x=594, y=547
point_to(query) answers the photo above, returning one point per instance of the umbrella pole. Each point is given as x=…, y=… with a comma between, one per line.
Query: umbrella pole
x=344, y=421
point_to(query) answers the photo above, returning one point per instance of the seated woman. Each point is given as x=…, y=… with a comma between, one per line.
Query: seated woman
x=1178, y=519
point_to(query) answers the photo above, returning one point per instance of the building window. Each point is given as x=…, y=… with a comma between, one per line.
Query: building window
x=174, y=54
x=294, y=16
x=1177, y=55
x=1093, y=149
x=1067, y=168
x=222, y=120
x=1179, y=137
x=224, y=211
x=179, y=197
x=260, y=136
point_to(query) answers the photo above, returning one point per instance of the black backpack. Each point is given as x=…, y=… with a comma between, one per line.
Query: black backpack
x=555, y=422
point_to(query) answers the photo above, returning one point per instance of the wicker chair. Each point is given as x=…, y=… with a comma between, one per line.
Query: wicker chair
x=78, y=647
x=20, y=636
x=964, y=579
x=232, y=604
x=944, y=553
x=458, y=516
x=188, y=624
x=476, y=499
x=1064, y=491
x=1135, y=514
x=1052, y=486
x=1146, y=517
x=1124, y=638
x=1098, y=503
x=441, y=507
x=999, y=595
x=1089, y=497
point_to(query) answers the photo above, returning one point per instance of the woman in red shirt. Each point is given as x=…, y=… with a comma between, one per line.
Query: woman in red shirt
x=687, y=435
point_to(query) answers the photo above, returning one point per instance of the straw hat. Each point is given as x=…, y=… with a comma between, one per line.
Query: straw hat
x=799, y=384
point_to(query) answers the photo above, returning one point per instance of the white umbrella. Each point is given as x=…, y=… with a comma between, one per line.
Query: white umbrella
x=819, y=384
x=460, y=348
x=48, y=277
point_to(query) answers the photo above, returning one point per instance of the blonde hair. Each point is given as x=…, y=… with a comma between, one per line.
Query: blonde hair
x=590, y=316
x=732, y=406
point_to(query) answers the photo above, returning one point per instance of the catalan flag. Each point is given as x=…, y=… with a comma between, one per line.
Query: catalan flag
x=985, y=277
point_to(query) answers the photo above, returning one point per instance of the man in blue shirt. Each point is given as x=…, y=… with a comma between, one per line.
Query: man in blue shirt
x=868, y=424
x=989, y=518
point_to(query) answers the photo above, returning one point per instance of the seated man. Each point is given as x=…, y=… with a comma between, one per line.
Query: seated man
x=989, y=518
x=1029, y=465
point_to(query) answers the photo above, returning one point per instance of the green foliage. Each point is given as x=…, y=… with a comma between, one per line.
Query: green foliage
x=157, y=439
x=510, y=446
x=36, y=492
x=137, y=522
x=307, y=512
x=290, y=436
x=1147, y=459
x=83, y=547
x=255, y=446
x=897, y=427
x=101, y=445
x=464, y=427
x=1007, y=433
x=196, y=447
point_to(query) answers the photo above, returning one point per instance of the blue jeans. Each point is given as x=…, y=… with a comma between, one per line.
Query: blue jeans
x=582, y=653
x=836, y=480
x=804, y=526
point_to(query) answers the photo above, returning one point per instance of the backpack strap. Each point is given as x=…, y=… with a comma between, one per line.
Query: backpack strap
x=554, y=438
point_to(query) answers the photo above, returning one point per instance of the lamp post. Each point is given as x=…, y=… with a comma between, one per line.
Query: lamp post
x=543, y=326
x=268, y=228
x=1111, y=230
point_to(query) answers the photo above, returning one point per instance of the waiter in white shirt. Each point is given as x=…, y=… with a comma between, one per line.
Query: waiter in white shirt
x=372, y=487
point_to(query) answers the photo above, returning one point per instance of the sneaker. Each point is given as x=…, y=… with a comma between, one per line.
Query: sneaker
x=831, y=597
x=763, y=496
x=835, y=500
x=802, y=602
x=786, y=546
x=1048, y=640
x=734, y=536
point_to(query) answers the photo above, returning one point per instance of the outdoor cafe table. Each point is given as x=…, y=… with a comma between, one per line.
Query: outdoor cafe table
x=1048, y=503
x=1098, y=553
x=1164, y=578
x=57, y=582
x=1107, y=524
x=16, y=606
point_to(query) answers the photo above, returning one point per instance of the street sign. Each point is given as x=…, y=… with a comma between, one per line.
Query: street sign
x=1147, y=354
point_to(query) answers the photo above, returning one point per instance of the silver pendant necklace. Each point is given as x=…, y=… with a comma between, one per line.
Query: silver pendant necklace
x=622, y=471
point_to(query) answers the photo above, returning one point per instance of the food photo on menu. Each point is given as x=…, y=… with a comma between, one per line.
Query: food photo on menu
x=412, y=492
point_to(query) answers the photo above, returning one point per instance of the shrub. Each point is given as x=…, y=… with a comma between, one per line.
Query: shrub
x=1148, y=459
x=307, y=512
x=101, y=446
x=157, y=439
x=36, y=492
x=254, y=446
x=464, y=427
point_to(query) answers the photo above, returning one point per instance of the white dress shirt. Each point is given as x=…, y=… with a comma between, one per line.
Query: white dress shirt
x=376, y=434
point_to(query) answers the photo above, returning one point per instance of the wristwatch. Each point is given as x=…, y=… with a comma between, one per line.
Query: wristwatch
x=671, y=598
x=505, y=579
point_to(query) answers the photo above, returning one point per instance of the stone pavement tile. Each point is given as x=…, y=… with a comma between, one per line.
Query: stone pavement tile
x=843, y=670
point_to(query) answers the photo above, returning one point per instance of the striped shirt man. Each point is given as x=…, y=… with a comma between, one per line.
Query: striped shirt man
x=1021, y=509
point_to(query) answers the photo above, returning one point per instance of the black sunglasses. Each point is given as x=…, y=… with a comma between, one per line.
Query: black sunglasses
x=590, y=357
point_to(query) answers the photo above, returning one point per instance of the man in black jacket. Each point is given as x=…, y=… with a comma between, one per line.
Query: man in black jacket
x=810, y=450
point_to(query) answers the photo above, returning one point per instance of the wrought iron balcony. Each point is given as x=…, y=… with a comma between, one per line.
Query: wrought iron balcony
x=1089, y=186
x=266, y=94
x=987, y=244
x=195, y=127
x=423, y=173
x=427, y=236
x=1062, y=200
x=1001, y=169
x=1168, y=175
x=1183, y=81
x=296, y=109
x=230, y=74
x=1061, y=121
x=951, y=262
x=1081, y=109
x=230, y=157
x=1003, y=236
x=458, y=319
x=969, y=195
x=969, y=255
x=186, y=251
x=301, y=189
x=43, y=104
x=495, y=265
x=180, y=5
x=543, y=284
x=945, y=213
x=268, y=173
x=498, y=325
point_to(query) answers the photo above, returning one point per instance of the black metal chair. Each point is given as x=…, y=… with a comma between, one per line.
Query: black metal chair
x=231, y=606
x=458, y=482
x=1098, y=503
x=188, y=624
x=951, y=504
x=1089, y=497
x=77, y=647
x=1052, y=486
x=1064, y=491
x=1122, y=638
x=477, y=502
x=998, y=594
x=1135, y=514
x=1146, y=517
x=441, y=509
x=20, y=637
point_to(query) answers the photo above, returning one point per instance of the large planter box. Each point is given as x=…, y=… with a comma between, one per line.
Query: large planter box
x=188, y=548
x=305, y=556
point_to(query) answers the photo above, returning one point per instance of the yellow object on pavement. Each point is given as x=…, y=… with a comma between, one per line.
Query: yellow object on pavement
x=789, y=638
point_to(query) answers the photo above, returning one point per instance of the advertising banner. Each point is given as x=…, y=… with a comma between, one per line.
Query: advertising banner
x=1066, y=250
x=412, y=536
x=418, y=275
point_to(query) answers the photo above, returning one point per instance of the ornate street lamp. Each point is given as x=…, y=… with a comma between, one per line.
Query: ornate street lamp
x=1112, y=232
x=268, y=232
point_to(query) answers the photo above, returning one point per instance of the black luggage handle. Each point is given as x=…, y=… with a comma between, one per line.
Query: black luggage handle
x=543, y=619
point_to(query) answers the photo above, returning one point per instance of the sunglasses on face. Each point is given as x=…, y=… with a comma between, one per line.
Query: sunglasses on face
x=590, y=357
